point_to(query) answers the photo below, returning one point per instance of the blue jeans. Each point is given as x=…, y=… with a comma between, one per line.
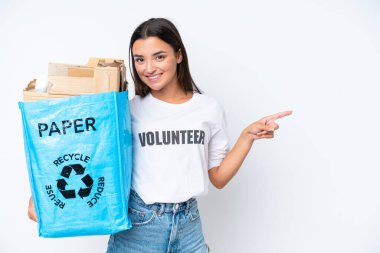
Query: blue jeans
x=160, y=228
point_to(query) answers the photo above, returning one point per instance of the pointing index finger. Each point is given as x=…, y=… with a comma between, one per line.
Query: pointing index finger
x=278, y=115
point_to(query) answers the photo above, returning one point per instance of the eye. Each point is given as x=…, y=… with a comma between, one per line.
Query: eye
x=160, y=57
x=139, y=60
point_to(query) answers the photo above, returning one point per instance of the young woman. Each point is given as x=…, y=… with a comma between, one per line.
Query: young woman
x=180, y=144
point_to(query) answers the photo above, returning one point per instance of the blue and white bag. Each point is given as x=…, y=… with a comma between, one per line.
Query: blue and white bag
x=79, y=159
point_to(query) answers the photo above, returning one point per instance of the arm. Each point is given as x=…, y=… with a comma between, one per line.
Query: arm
x=264, y=128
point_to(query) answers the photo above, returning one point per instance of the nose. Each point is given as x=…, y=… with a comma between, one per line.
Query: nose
x=150, y=67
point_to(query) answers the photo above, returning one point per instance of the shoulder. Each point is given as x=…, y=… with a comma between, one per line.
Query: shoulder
x=209, y=101
x=136, y=100
x=205, y=98
x=136, y=104
x=211, y=107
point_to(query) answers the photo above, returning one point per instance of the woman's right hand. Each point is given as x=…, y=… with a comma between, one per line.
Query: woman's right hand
x=31, y=211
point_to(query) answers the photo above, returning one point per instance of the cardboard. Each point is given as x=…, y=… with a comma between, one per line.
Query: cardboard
x=30, y=94
x=98, y=75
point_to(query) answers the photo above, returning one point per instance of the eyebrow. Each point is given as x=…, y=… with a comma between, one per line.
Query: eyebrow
x=157, y=53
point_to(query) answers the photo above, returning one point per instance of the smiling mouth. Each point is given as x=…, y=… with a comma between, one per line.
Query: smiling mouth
x=153, y=78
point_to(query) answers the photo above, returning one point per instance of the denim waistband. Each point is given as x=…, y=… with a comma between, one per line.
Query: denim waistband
x=162, y=207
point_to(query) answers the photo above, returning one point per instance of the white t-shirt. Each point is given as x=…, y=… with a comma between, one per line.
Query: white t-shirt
x=174, y=145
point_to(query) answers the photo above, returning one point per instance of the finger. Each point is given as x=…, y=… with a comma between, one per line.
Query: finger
x=31, y=211
x=277, y=115
x=273, y=125
x=266, y=136
x=32, y=217
x=264, y=133
x=259, y=127
x=265, y=127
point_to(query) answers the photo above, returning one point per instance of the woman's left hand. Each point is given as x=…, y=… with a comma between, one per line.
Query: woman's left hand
x=263, y=128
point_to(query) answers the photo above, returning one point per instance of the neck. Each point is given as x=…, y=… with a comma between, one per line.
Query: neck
x=173, y=95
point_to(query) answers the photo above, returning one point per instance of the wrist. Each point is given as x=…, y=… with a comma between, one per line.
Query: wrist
x=246, y=139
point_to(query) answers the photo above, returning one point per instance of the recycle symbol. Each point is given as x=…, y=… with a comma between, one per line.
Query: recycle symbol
x=79, y=170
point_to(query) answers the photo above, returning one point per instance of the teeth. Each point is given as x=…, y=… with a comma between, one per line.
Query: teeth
x=153, y=77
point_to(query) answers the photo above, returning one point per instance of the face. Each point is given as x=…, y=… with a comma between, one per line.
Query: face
x=156, y=63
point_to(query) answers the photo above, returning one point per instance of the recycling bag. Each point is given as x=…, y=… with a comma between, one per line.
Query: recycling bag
x=79, y=158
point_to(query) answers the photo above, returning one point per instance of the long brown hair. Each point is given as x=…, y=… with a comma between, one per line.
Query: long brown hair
x=166, y=31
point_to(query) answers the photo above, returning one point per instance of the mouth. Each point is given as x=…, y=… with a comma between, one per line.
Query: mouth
x=154, y=78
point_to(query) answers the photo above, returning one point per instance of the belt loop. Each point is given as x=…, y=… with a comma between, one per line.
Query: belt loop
x=187, y=206
x=162, y=208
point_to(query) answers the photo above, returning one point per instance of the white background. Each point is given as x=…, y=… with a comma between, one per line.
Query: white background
x=313, y=188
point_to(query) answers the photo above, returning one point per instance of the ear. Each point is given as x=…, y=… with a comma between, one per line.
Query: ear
x=179, y=56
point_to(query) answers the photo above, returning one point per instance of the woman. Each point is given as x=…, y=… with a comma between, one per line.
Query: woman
x=180, y=144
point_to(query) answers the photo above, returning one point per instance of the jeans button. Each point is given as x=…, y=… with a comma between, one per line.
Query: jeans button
x=176, y=206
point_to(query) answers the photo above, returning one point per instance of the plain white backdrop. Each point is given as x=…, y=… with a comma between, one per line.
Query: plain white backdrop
x=313, y=188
